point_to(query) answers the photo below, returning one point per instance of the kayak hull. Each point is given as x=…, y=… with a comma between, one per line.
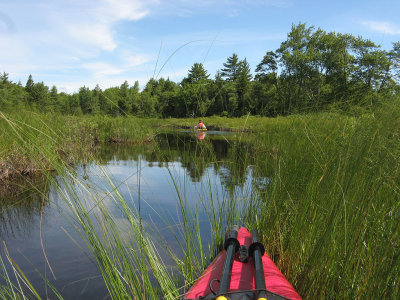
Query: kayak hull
x=242, y=277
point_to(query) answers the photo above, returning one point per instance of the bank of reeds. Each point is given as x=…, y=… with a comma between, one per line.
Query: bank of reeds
x=30, y=141
x=330, y=218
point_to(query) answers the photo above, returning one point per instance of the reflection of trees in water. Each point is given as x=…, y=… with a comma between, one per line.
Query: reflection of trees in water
x=235, y=172
x=229, y=158
x=21, y=204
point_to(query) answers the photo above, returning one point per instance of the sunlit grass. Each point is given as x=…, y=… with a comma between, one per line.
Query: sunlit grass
x=329, y=218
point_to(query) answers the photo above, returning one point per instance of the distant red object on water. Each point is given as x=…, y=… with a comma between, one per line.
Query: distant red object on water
x=201, y=135
x=200, y=125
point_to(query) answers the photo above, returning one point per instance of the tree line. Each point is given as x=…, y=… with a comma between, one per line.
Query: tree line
x=312, y=70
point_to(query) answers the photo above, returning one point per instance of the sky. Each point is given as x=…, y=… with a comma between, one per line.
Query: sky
x=75, y=43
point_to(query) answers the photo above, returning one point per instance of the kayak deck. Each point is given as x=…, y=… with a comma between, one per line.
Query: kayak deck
x=242, y=277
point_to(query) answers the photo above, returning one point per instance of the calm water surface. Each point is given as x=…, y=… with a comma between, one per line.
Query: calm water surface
x=30, y=224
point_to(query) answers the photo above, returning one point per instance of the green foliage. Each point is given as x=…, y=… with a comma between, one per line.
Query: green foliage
x=194, y=94
x=11, y=95
x=312, y=70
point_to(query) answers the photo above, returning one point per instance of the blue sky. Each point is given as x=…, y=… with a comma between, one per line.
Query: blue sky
x=71, y=43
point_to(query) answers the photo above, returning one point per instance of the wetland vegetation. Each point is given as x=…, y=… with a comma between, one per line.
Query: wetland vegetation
x=320, y=180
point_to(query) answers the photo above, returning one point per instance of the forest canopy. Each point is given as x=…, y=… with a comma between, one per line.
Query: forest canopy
x=312, y=70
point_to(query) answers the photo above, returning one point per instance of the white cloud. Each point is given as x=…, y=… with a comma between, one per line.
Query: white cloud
x=134, y=59
x=62, y=41
x=100, y=69
x=91, y=23
x=74, y=24
x=98, y=35
x=383, y=27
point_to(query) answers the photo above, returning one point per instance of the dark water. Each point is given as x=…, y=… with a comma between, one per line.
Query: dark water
x=35, y=221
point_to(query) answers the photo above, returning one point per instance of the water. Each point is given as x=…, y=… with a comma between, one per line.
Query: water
x=39, y=234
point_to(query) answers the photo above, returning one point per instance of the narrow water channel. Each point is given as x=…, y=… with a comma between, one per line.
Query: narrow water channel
x=37, y=229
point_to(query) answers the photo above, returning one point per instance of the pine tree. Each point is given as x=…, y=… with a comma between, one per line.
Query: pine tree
x=243, y=87
x=230, y=72
x=197, y=74
x=29, y=89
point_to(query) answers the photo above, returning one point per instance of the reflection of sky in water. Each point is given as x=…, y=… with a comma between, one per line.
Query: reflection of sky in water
x=156, y=186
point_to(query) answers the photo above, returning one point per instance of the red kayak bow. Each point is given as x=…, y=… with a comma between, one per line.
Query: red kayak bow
x=243, y=282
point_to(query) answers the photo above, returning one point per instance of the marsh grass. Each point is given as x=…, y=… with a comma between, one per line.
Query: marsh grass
x=330, y=219
x=327, y=213
x=31, y=142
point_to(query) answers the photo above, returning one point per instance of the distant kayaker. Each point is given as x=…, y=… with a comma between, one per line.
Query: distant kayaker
x=200, y=125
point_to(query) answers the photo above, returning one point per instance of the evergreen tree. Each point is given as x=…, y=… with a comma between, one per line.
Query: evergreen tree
x=197, y=75
x=231, y=68
x=29, y=89
x=195, y=91
x=4, y=79
x=243, y=87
